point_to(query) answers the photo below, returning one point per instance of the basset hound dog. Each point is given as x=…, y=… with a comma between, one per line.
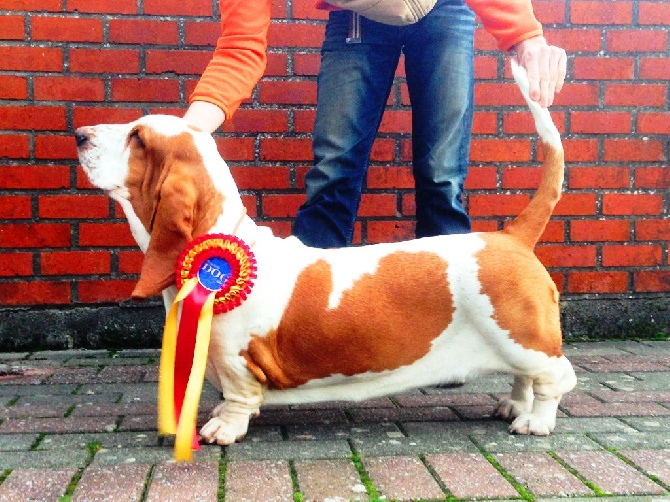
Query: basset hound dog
x=350, y=323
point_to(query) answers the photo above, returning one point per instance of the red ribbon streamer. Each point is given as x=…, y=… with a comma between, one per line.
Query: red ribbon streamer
x=188, y=327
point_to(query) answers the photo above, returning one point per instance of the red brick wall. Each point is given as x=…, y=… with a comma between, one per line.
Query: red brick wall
x=62, y=242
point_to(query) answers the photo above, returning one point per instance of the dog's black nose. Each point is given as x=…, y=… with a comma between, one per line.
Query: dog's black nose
x=80, y=137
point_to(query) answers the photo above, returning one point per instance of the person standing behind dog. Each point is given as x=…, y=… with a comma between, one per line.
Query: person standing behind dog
x=359, y=58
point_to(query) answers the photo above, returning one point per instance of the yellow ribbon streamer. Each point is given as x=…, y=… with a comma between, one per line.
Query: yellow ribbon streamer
x=167, y=422
x=183, y=450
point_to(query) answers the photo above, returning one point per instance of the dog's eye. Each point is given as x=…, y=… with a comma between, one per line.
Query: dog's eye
x=135, y=138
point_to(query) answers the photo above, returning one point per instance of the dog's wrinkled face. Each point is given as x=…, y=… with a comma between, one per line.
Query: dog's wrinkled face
x=155, y=167
x=106, y=150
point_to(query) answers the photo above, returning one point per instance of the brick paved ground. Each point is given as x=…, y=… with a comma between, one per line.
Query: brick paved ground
x=80, y=426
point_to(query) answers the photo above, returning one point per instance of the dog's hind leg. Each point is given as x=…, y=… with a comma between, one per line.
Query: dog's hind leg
x=519, y=401
x=547, y=389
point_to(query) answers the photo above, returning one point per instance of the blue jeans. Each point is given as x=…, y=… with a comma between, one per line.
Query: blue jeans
x=353, y=86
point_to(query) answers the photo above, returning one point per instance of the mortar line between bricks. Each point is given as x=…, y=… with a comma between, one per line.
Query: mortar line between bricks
x=370, y=488
x=522, y=490
x=448, y=495
x=298, y=496
x=38, y=441
x=223, y=470
x=4, y=474
x=147, y=484
x=599, y=492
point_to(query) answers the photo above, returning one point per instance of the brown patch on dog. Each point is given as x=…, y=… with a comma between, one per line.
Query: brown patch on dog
x=523, y=295
x=173, y=196
x=388, y=319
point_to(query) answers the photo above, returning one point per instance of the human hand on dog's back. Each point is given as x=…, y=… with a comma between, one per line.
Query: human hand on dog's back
x=546, y=67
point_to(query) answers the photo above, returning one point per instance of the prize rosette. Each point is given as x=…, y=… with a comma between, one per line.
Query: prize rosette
x=214, y=275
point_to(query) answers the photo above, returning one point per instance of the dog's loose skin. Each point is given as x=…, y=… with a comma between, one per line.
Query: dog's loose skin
x=343, y=324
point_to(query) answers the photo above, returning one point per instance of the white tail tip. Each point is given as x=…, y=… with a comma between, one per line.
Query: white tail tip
x=543, y=122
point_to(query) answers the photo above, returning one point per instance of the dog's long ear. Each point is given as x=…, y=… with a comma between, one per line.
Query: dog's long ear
x=171, y=228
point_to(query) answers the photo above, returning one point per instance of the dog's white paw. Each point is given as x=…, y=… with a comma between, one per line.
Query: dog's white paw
x=530, y=423
x=223, y=432
x=511, y=408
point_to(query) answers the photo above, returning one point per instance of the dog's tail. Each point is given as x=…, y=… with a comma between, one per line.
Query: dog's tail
x=530, y=224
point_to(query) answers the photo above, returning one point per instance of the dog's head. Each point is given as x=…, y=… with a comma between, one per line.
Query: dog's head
x=158, y=168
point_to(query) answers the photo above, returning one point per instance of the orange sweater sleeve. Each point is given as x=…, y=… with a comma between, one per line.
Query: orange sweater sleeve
x=509, y=21
x=240, y=56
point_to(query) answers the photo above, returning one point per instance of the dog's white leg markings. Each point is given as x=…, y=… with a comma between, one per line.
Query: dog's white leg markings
x=547, y=390
x=243, y=396
x=520, y=400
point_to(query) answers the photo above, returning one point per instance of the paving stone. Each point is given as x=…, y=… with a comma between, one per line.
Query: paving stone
x=648, y=424
x=402, y=478
x=613, y=396
x=576, y=397
x=610, y=473
x=331, y=480
x=38, y=411
x=36, y=484
x=22, y=374
x=474, y=412
x=590, y=382
x=570, y=425
x=160, y=455
x=259, y=481
x=436, y=441
x=470, y=476
x=36, y=390
x=130, y=392
x=471, y=427
x=479, y=385
x=184, y=482
x=634, y=440
x=52, y=459
x=13, y=356
x=624, y=365
x=121, y=374
x=502, y=442
x=315, y=432
x=263, y=433
x=617, y=410
x=379, y=402
x=14, y=442
x=602, y=348
x=649, y=347
x=58, y=425
x=106, y=409
x=306, y=450
x=74, y=375
x=467, y=399
x=117, y=483
x=541, y=474
x=652, y=381
x=69, y=399
x=64, y=355
x=436, y=413
x=108, y=441
x=293, y=417
x=153, y=354
x=652, y=462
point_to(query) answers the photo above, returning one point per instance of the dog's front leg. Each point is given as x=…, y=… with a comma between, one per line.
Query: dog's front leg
x=243, y=396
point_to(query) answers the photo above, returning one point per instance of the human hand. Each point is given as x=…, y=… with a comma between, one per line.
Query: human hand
x=546, y=67
x=205, y=116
